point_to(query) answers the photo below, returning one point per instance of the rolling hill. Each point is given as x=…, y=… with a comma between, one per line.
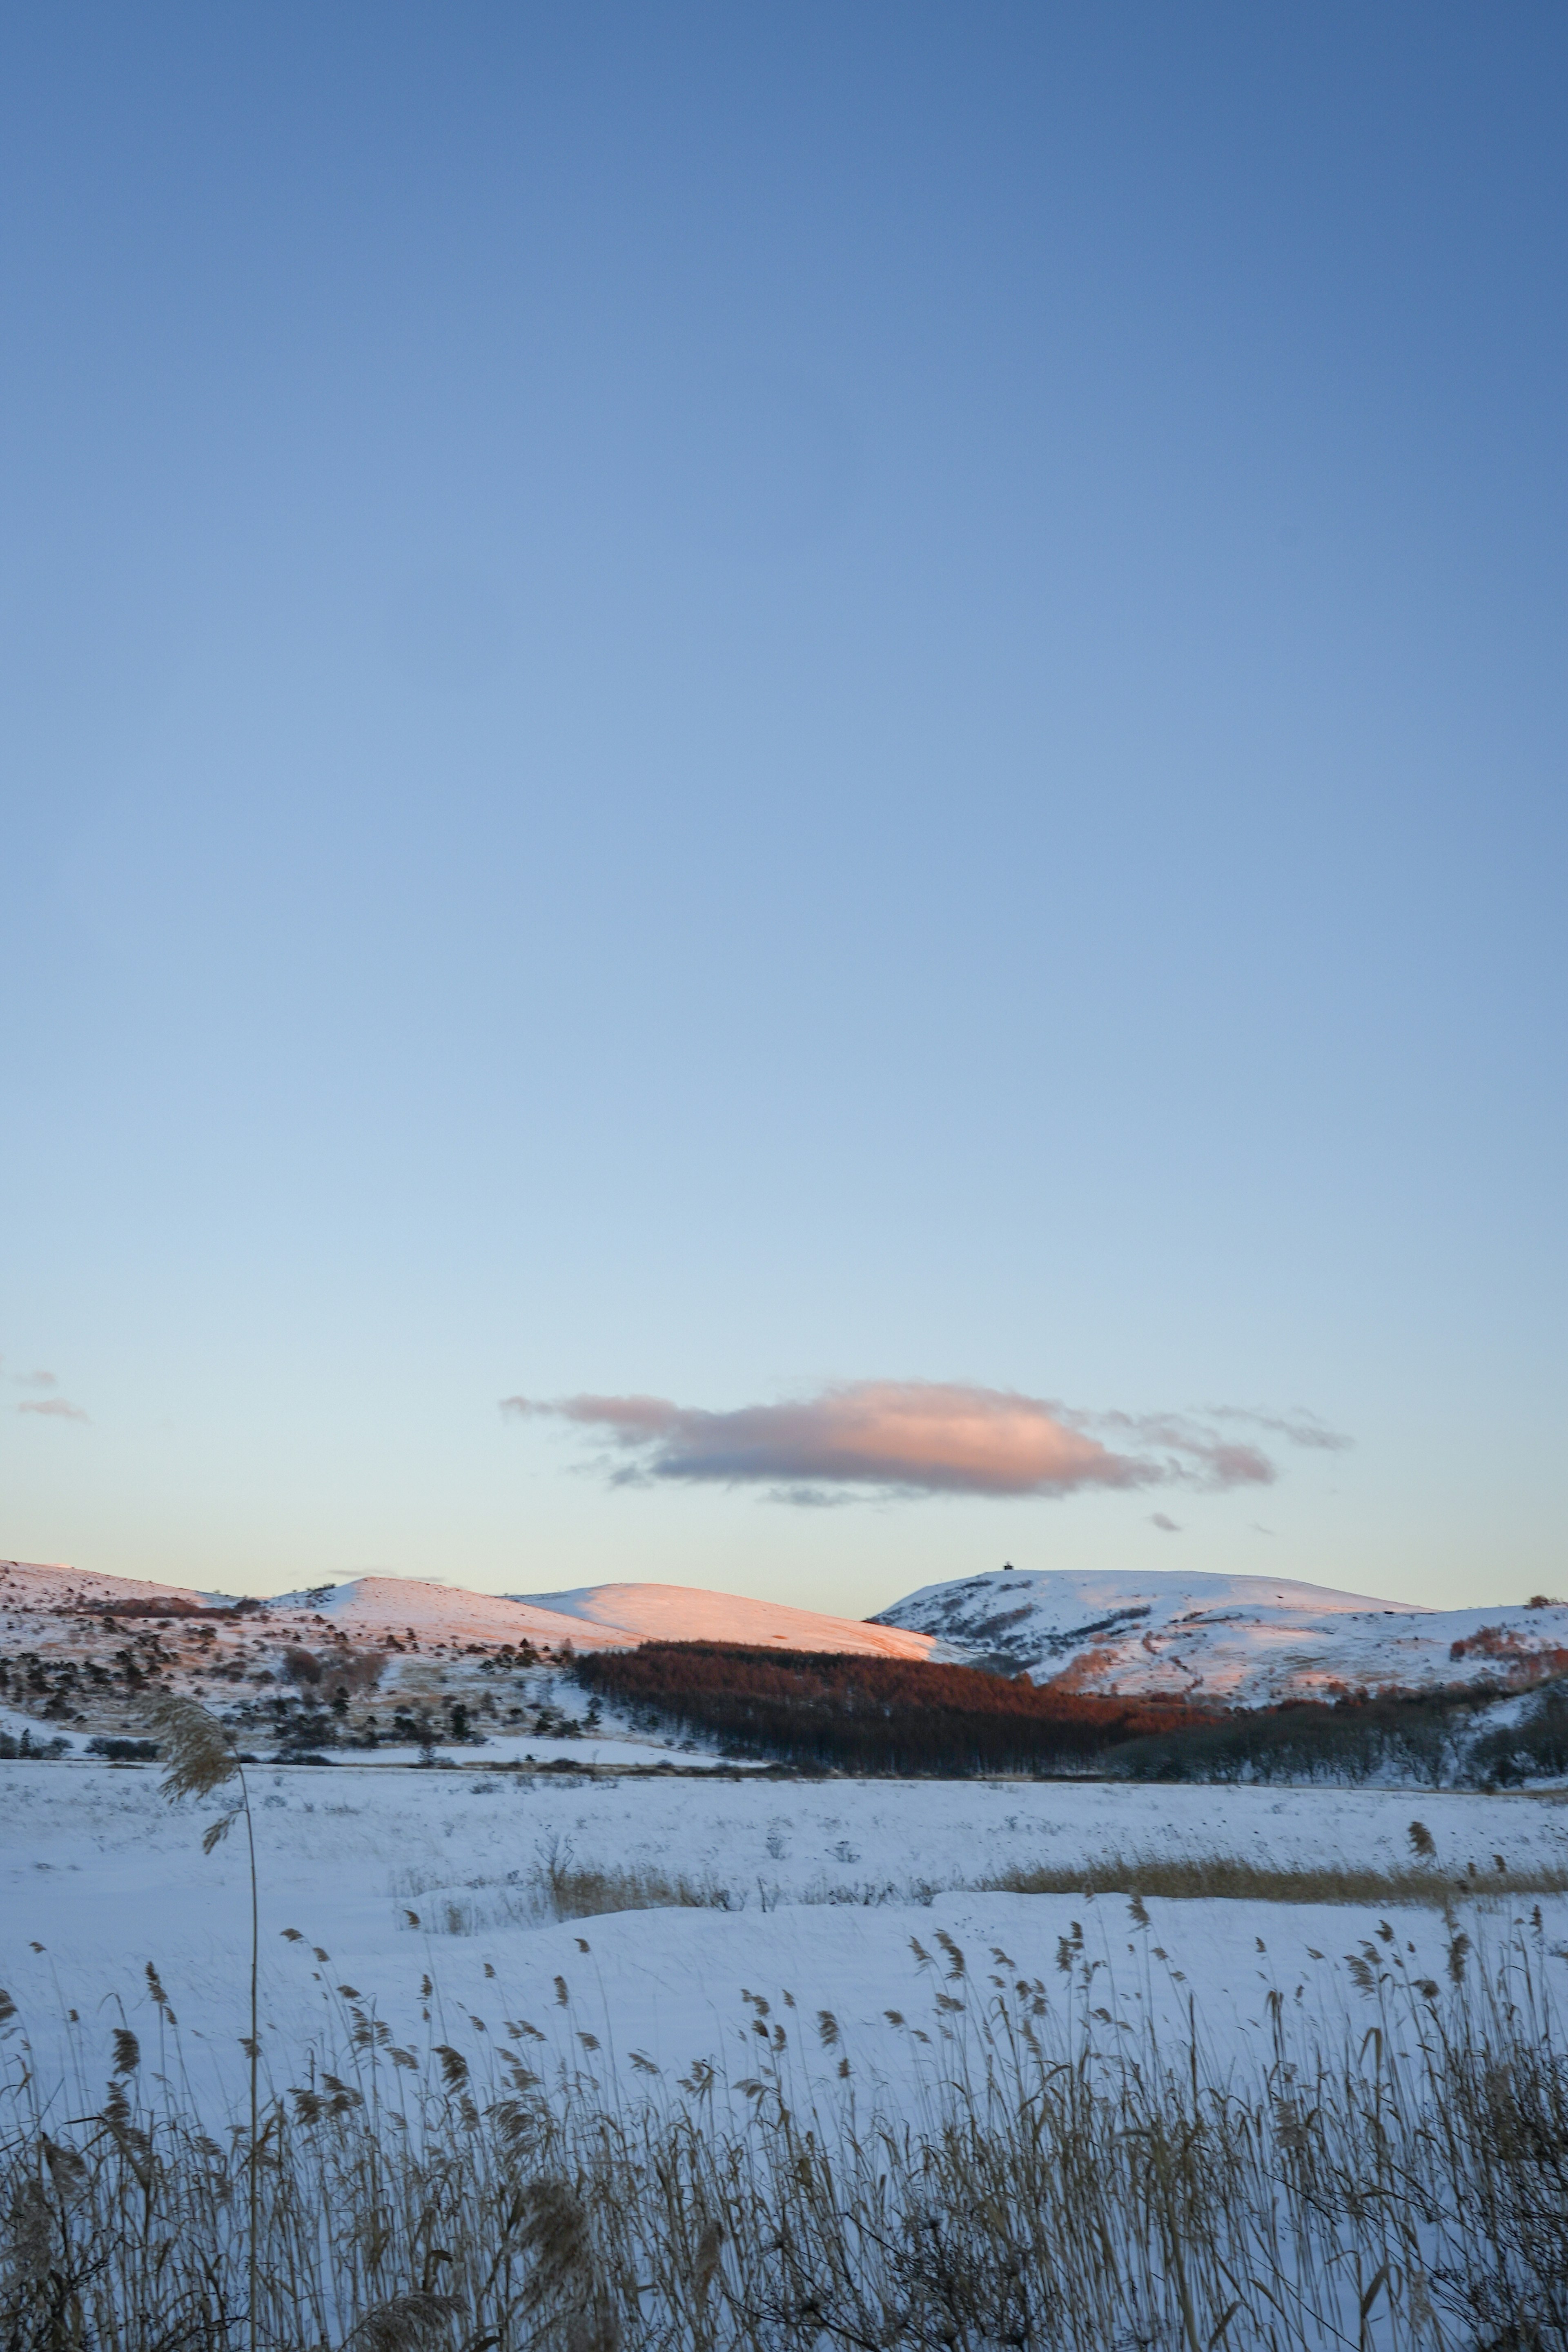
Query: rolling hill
x=682, y=1613
x=1231, y=1641
x=1222, y=1641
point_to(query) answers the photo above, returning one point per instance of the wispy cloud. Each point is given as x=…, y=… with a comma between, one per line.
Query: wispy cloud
x=1300, y=1426
x=1167, y=1527
x=56, y=1408
x=910, y=1437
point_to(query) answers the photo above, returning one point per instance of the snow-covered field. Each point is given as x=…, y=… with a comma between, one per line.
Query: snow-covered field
x=400, y=1876
x=840, y=1997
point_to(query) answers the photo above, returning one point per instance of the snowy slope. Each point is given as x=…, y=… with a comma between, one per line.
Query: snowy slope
x=1242, y=1640
x=682, y=1612
x=594, y=1616
x=38, y=1584
x=374, y=1605
x=380, y=1662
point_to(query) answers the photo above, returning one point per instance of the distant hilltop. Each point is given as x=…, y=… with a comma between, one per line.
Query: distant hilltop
x=1232, y=1641
x=1229, y=1640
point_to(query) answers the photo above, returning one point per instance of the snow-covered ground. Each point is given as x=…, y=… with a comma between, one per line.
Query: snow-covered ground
x=597, y=1752
x=401, y=1876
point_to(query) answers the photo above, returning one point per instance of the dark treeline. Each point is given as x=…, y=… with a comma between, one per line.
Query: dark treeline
x=832, y=1712
x=164, y=1607
x=1536, y=1746
x=1423, y=1739
x=1433, y=1739
x=829, y=1711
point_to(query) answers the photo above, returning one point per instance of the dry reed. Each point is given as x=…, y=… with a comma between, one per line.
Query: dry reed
x=199, y=1757
x=1233, y=1878
x=1046, y=2175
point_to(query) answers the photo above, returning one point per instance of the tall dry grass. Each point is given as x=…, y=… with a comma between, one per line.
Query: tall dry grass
x=559, y=1887
x=556, y=1887
x=1236, y=1878
x=1045, y=2174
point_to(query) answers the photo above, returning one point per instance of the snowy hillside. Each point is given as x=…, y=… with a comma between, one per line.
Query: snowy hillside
x=373, y=1606
x=591, y=1616
x=681, y=1612
x=37, y=1584
x=394, y=1666
x=1245, y=1641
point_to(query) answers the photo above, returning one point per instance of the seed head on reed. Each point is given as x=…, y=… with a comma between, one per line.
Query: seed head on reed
x=29, y=2232
x=67, y=2169
x=197, y=1756
x=710, y=2246
x=408, y=2323
x=596, y=2330
x=556, y=2233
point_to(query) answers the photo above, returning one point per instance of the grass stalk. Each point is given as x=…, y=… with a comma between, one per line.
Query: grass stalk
x=1039, y=2174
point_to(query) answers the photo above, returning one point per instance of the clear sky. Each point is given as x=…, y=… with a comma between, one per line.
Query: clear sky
x=715, y=710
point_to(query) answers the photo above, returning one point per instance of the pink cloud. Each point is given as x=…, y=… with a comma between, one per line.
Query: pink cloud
x=56, y=1408
x=909, y=1437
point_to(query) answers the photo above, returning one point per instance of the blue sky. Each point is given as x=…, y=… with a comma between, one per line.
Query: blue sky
x=715, y=706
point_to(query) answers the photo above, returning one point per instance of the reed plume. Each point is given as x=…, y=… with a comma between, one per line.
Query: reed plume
x=199, y=1757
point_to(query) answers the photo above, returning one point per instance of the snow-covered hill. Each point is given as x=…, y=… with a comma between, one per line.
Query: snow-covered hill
x=436, y=1614
x=40, y=1584
x=682, y=1612
x=379, y=1663
x=371, y=1606
x=1244, y=1641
